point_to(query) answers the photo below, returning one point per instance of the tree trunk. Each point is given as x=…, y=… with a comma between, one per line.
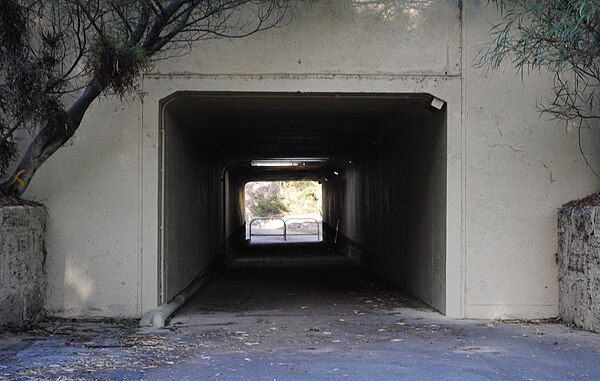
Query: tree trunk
x=48, y=140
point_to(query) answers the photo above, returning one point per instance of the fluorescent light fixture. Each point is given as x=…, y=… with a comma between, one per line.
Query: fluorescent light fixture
x=336, y=173
x=272, y=163
x=289, y=162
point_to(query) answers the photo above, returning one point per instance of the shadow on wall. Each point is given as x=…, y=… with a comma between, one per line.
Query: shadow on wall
x=413, y=14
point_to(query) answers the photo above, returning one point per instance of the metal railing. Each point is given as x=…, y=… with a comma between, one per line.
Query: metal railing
x=305, y=221
x=285, y=232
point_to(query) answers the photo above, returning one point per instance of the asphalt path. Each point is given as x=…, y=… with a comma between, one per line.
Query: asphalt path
x=302, y=312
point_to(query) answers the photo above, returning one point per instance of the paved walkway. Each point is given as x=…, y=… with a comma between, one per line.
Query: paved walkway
x=303, y=313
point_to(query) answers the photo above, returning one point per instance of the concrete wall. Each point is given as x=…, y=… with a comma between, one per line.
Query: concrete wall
x=22, y=258
x=192, y=205
x=579, y=266
x=519, y=167
x=507, y=168
x=92, y=191
x=202, y=206
x=389, y=206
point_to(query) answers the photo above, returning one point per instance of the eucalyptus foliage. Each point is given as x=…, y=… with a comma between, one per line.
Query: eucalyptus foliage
x=561, y=36
x=58, y=56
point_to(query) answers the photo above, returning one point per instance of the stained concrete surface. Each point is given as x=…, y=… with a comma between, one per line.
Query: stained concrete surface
x=579, y=266
x=302, y=312
x=22, y=258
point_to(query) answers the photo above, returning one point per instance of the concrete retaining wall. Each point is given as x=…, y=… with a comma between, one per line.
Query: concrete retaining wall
x=22, y=257
x=579, y=266
x=507, y=168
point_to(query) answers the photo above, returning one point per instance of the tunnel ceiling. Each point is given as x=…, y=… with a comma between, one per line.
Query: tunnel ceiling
x=239, y=127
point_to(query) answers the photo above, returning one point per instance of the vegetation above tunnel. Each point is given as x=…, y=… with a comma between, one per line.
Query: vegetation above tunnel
x=51, y=51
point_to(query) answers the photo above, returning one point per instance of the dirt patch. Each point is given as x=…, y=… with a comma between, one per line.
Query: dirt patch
x=591, y=200
x=94, y=349
x=555, y=320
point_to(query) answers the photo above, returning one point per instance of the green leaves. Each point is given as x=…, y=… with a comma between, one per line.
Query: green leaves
x=13, y=27
x=561, y=36
x=116, y=63
x=268, y=205
x=276, y=198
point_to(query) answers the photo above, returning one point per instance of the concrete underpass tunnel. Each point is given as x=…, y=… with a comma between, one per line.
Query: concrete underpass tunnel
x=381, y=160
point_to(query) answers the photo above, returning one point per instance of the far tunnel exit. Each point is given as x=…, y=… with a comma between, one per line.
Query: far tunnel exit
x=381, y=167
x=283, y=211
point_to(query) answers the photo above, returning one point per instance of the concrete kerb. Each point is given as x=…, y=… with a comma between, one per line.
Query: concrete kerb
x=157, y=317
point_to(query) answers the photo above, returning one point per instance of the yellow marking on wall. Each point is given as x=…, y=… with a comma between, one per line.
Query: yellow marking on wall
x=17, y=179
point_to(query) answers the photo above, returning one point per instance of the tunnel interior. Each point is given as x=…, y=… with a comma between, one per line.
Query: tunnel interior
x=381, y=160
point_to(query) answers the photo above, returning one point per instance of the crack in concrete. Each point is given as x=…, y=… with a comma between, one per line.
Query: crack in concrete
x=496, y=145
x=514, y=149
x=549, y=170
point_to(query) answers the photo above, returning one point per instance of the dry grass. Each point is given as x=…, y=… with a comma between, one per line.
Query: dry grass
x=591, y=200
x=15, y=201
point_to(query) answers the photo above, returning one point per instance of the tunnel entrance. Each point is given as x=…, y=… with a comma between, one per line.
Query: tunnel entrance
x=381, y=160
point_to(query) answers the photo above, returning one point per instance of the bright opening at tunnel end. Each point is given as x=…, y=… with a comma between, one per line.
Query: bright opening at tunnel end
x=283, y=211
